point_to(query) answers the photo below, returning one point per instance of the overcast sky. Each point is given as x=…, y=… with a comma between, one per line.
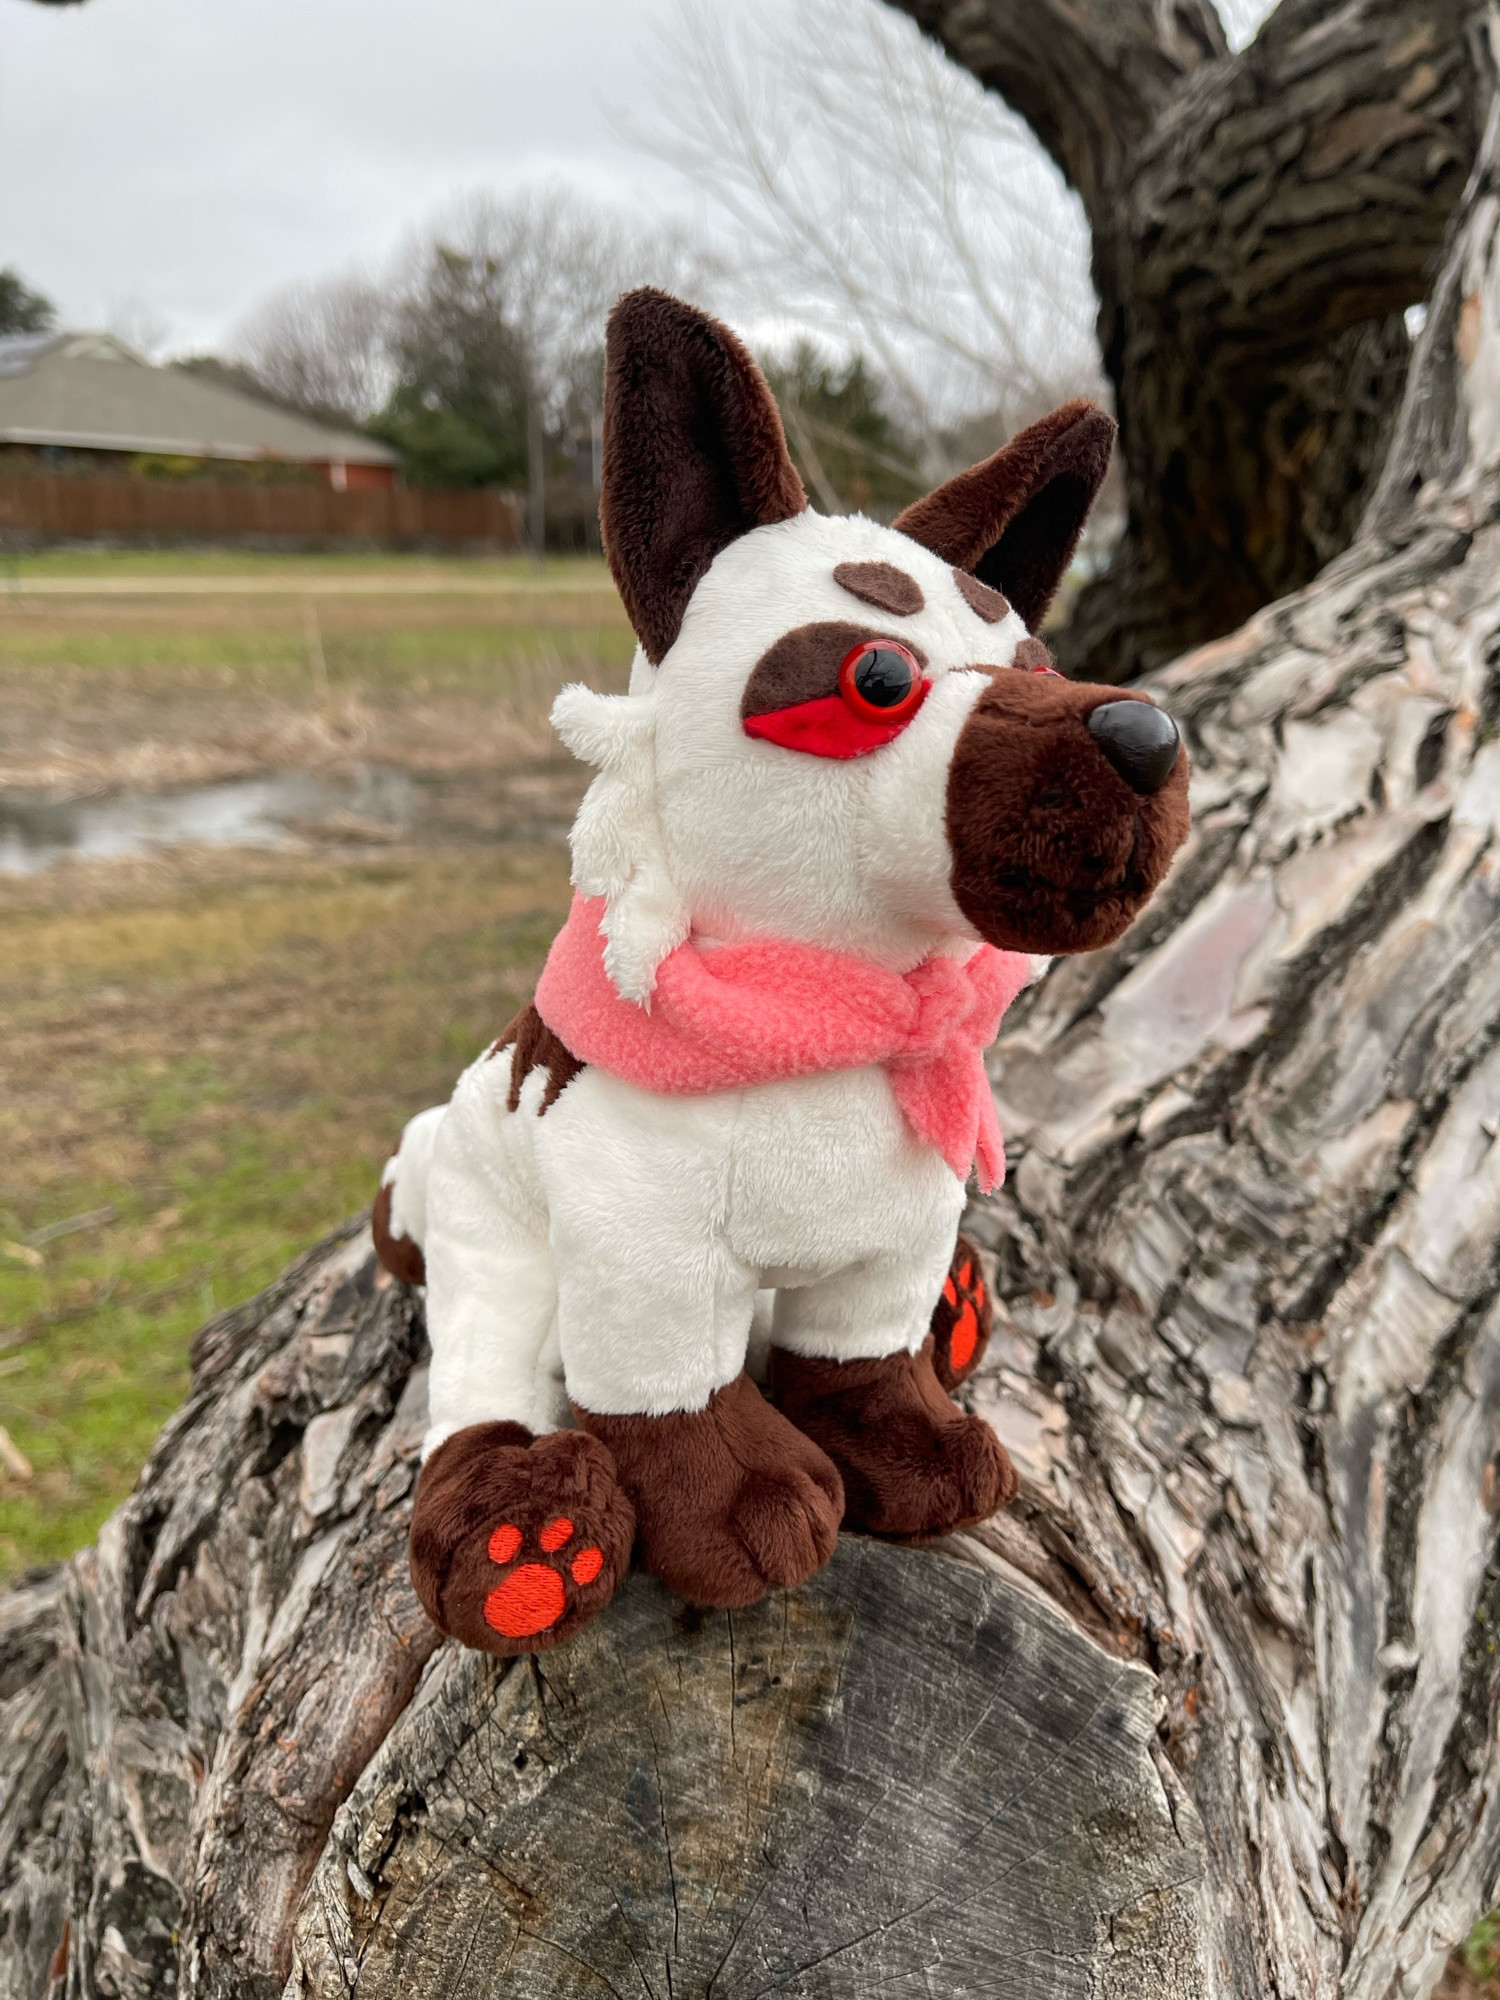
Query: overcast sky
x=176, y=159
x=166, y=163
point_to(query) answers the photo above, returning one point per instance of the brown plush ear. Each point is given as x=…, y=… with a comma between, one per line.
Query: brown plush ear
x=1014, y=520
x=694, y=456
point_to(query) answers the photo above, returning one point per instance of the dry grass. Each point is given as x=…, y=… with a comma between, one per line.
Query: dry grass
x=206, y=1053
x=436, y=670
x=212, y=1060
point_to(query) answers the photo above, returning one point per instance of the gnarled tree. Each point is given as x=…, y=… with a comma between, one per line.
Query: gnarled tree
x=1212, y=1711
x=1260, y=222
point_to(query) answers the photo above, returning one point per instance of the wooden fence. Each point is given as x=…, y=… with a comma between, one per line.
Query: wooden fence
x=52, y=508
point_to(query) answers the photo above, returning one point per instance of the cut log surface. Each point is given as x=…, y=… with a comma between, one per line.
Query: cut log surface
x=905, y=1778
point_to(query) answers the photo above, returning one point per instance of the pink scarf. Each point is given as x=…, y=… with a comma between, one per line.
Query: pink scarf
x=768, y=1009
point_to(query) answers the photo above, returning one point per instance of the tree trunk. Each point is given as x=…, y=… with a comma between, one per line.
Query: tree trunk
x=1214, y=1710
x=1259, y=224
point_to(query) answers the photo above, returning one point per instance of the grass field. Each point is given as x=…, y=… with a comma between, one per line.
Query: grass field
x=205, y=1053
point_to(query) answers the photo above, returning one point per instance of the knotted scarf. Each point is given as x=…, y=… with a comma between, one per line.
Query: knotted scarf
x=759, y=1011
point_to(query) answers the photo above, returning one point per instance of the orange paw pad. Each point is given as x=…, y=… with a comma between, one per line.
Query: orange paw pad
x=555, y=1534
x=531, y=1599
x=965, y=1337
x=504, y=1543
x=948, y=1291
x=586, y=1565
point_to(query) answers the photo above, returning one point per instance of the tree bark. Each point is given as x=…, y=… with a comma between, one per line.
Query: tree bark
x=1259, y=224
x=1213, y=1711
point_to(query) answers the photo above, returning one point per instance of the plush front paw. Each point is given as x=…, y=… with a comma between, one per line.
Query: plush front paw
x=731, y=1501
x=518, y=1541
x=961, y=1319
x=913, y=1464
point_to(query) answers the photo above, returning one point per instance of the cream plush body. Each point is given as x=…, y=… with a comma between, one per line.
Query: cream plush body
x=842, y=802
x=612, y=1250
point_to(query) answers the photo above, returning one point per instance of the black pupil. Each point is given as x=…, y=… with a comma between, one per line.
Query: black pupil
x=883, y=676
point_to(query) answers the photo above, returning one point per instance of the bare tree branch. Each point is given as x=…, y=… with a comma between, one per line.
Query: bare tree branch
x=1090, y=79
x=886, y=200
x=321, y=347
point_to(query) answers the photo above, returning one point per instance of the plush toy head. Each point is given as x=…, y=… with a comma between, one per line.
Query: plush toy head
x=838, y=732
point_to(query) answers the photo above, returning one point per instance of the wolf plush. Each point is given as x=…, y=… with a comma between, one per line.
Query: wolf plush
x=843, y=801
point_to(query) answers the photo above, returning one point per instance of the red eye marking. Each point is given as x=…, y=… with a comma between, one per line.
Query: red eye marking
x=881, y=687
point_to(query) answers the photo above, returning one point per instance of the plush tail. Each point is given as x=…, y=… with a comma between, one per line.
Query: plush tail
x=399, y=1222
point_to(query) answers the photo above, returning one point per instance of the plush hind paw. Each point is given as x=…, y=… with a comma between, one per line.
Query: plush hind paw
x=913, y=1464
x=961, y=1319
x=518, y=1541
x=731, y=1500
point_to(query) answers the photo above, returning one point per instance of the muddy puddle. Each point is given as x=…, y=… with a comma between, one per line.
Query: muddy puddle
x=365, y=804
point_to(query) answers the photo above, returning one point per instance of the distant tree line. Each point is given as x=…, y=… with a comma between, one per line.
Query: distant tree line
x=907, y=271
x=21, y=309
x=485, y=349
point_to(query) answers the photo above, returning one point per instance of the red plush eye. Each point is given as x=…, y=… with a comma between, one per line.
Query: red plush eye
x=881, y=682
x=881, y=686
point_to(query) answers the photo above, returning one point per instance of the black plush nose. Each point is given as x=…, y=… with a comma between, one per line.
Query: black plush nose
x=1139, y=739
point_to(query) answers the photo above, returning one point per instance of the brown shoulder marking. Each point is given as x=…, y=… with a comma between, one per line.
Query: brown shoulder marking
x=400, y=1256
x=534, y=1046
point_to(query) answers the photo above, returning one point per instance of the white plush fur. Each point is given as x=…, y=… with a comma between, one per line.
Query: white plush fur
x=612, y=1250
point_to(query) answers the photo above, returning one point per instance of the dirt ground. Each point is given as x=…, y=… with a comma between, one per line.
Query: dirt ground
x=206, y=1051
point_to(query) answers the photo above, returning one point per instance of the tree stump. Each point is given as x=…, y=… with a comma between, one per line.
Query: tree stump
x=236, y=1759
x=907, y=1777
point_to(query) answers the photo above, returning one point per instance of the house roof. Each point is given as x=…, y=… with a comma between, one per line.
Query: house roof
x=90, y=392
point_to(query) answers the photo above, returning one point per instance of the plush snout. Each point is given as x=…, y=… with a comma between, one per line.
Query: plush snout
x=1066, y=804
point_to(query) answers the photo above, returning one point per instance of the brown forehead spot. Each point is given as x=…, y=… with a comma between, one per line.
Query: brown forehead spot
x=883, y=585
x=804, y=663
x=990, y=605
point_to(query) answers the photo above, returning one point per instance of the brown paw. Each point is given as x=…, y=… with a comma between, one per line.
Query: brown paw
x=515, y=1541
x=961, y=1319
x=913, y=1464
x=730, y=1500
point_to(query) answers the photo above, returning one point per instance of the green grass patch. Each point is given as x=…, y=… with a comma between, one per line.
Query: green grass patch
x=513, y=572
x=210, y=1078
x=436, y=658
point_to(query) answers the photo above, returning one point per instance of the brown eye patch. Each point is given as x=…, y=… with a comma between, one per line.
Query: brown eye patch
x=990, y=605
x=883, y=585
x=803, y=665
